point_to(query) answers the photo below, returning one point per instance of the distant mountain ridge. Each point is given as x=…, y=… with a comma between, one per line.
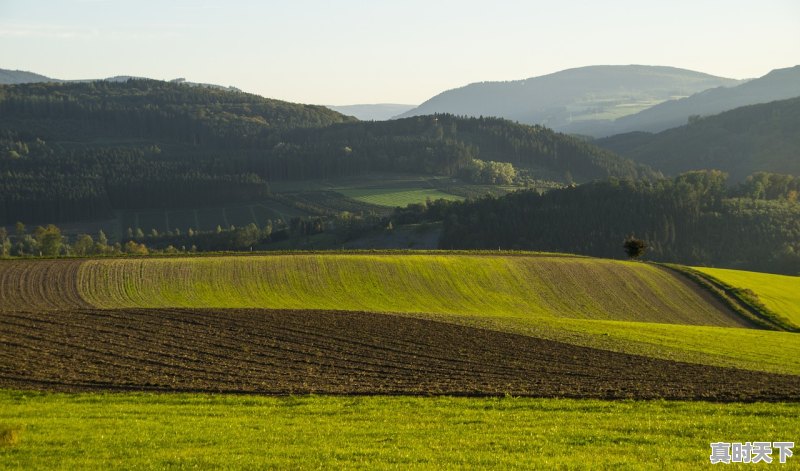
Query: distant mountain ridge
x=779, y=84
x=18, y=77
x=592, y=95
x=13, y=77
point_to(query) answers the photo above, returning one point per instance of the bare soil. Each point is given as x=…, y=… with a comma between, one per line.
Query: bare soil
x=331, y=352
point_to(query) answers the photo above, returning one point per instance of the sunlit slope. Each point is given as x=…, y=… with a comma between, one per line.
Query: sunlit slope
x=516, y=286
x=779, y=293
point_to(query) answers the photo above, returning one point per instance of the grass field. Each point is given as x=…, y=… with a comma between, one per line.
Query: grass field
x=779, y=293
x=536, y=286
x=394, y=197
x=152, y=431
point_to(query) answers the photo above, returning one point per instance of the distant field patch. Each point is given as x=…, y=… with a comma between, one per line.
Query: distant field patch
x=780, y=293
x=394, y=197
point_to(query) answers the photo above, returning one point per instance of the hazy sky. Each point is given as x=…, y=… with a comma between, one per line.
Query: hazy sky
x=382, y=51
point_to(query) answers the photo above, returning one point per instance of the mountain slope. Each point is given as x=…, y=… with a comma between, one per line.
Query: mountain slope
x=779, y=84
x=740, y=142
x=560, y=100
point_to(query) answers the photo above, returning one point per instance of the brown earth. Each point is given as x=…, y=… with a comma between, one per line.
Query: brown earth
x=40, y=285
x=283, y=352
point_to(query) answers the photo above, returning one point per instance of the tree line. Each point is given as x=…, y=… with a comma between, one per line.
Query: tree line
x=693, y=219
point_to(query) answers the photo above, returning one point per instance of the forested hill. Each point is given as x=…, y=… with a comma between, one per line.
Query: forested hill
x=443, y=144
x=143, y=108
x=80, y=150
x=754, y=138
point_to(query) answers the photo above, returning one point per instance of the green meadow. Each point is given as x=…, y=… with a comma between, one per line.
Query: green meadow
x=183, y=431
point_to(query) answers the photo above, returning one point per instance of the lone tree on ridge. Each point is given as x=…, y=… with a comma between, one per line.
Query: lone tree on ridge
x=634, y=247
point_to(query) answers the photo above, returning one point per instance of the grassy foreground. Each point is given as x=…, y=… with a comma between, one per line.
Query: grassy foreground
x=151, y=431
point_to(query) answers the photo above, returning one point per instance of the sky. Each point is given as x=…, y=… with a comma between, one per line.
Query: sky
x=339, y=52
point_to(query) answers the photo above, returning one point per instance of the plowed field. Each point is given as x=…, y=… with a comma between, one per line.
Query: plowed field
x=280, y=352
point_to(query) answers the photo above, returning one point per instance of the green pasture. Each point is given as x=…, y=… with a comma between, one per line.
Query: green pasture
x=186, y=431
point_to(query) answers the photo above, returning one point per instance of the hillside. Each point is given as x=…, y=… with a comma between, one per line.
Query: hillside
x=779, y=84
x=80, y=151
x=574, y=100
x=465, y=285
x=740, y=142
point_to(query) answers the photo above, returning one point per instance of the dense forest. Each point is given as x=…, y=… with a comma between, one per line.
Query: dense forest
x=77, y=151
x=693, y=219
x=740, y=142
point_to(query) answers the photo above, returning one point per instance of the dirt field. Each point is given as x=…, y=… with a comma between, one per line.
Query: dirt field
x=282, y=352
x=40, y=285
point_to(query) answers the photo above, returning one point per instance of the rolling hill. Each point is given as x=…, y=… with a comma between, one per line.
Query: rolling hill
x=544, y=286
x=573, y=100
x=740, y=142
x=624, y=307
